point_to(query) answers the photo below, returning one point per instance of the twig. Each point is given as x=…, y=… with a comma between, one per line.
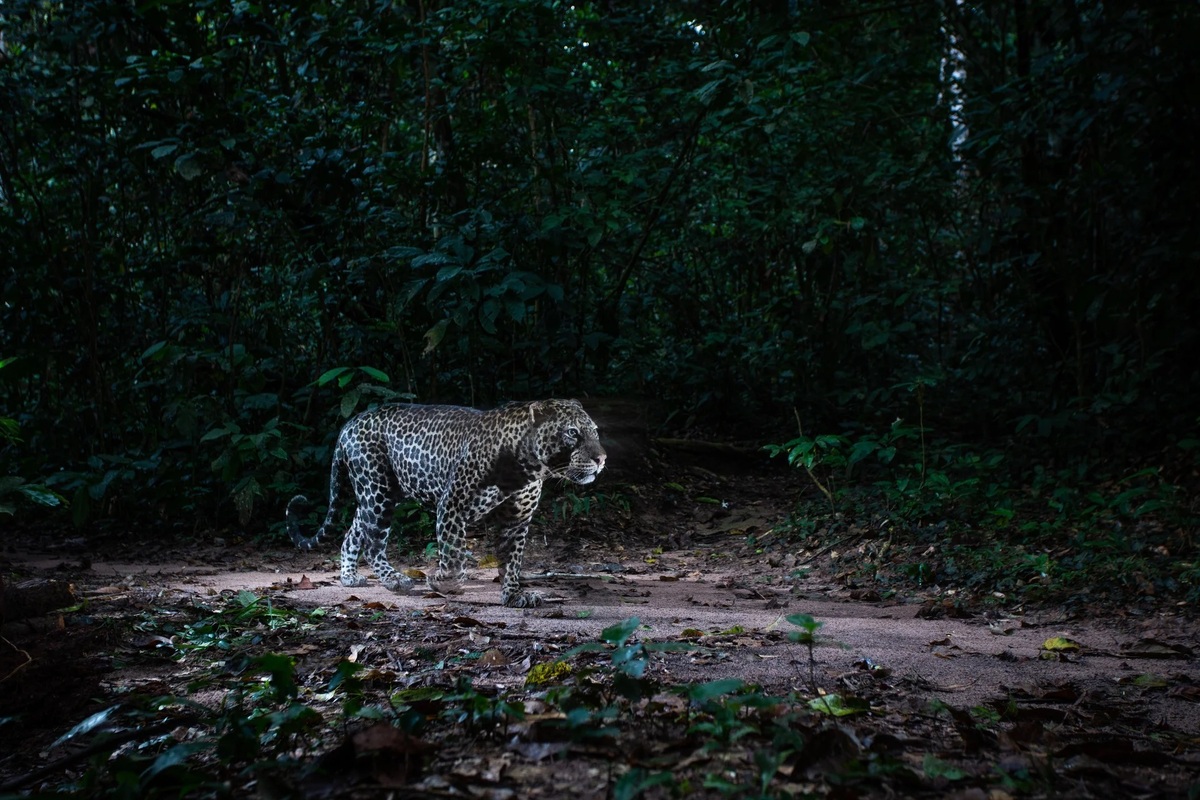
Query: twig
x=19, y=667
x=581, y=575
x=826, y=549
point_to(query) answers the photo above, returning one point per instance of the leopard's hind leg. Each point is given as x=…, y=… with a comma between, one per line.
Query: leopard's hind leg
x=375, y=489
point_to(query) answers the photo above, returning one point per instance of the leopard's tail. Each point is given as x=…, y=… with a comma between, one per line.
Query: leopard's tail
x=338, y=476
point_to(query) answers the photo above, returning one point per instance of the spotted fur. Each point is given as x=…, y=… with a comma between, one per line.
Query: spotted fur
x=462, y=463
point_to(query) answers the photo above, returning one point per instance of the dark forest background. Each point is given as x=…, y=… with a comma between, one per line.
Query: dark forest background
x=932, y=230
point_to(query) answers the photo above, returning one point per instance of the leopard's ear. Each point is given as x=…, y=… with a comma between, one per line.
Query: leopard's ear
x=538, y=411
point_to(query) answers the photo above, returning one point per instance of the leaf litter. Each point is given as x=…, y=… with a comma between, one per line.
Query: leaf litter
x=458, y=696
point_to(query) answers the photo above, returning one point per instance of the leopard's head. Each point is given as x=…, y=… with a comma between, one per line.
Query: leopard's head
x=566, y=441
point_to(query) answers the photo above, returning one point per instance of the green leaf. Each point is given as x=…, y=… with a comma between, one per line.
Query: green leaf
x=163, y=150
x=1060, y=644
x=619, y=633
x=330, y=375
x=838, y=706
x=282, y=671
x=805, y=621
x=375, y=374
x=934, y=767
x=860, y=450
x=702, y=692
x=175, y=756
x=434, y=336
x=216, y=433
x=189, y=166
x=41, y=495
x=97, y=720
x=350, y=402
x=635, y=782
x=153, y=351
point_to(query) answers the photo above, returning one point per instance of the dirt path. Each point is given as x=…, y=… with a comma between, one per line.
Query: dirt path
x=707, y=582
x=737, y=615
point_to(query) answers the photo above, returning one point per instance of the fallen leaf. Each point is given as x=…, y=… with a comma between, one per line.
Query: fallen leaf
x=305, y=583
x=393, y=757
x=1002, y=628
x=1056, y=644
x=1186, y=691
x=1145, y=681
x=1153, y=648
x=838, y=706
x=493, y=658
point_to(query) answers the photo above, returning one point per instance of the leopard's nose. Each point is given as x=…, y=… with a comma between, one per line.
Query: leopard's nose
x=600, y=461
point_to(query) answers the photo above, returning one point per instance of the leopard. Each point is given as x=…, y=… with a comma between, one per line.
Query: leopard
x=462, y=464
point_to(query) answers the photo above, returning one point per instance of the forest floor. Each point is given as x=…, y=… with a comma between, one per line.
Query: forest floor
x=996, y=703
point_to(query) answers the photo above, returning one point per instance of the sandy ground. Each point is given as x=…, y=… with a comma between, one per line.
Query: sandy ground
x=962, y=662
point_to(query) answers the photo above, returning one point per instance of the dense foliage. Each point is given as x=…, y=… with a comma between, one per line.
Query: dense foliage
x=226, y=225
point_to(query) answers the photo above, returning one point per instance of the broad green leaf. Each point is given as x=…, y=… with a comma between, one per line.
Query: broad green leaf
x=216, y=433
x=41, y=495
x=376, y=374
x=634, y=783
x=177, y=755
x=97, y=720
x=617, y=634
x=837, y=706
x=330, y=375
x=350, y=402
x=189, y=166
x=434, y=336
x=153, y=351
x=702, y=692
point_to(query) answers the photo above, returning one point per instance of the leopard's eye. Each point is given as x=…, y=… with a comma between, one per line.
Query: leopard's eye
x=571, y=433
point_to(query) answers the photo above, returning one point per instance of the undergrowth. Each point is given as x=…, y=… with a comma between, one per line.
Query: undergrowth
x=275, y=728
x=248, y=713
x=934, y=513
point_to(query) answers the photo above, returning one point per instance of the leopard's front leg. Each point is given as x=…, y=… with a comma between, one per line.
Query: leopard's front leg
x=511, y=558
x=515, y=515
x=452, y=553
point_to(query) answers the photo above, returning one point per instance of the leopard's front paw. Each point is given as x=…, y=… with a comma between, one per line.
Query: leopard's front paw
x=354, y=579
x=523, y=600
x=444, y=585
x=397, y=582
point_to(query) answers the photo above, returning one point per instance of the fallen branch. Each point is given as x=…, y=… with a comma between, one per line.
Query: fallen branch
x=35, y=597
x=711, y=448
